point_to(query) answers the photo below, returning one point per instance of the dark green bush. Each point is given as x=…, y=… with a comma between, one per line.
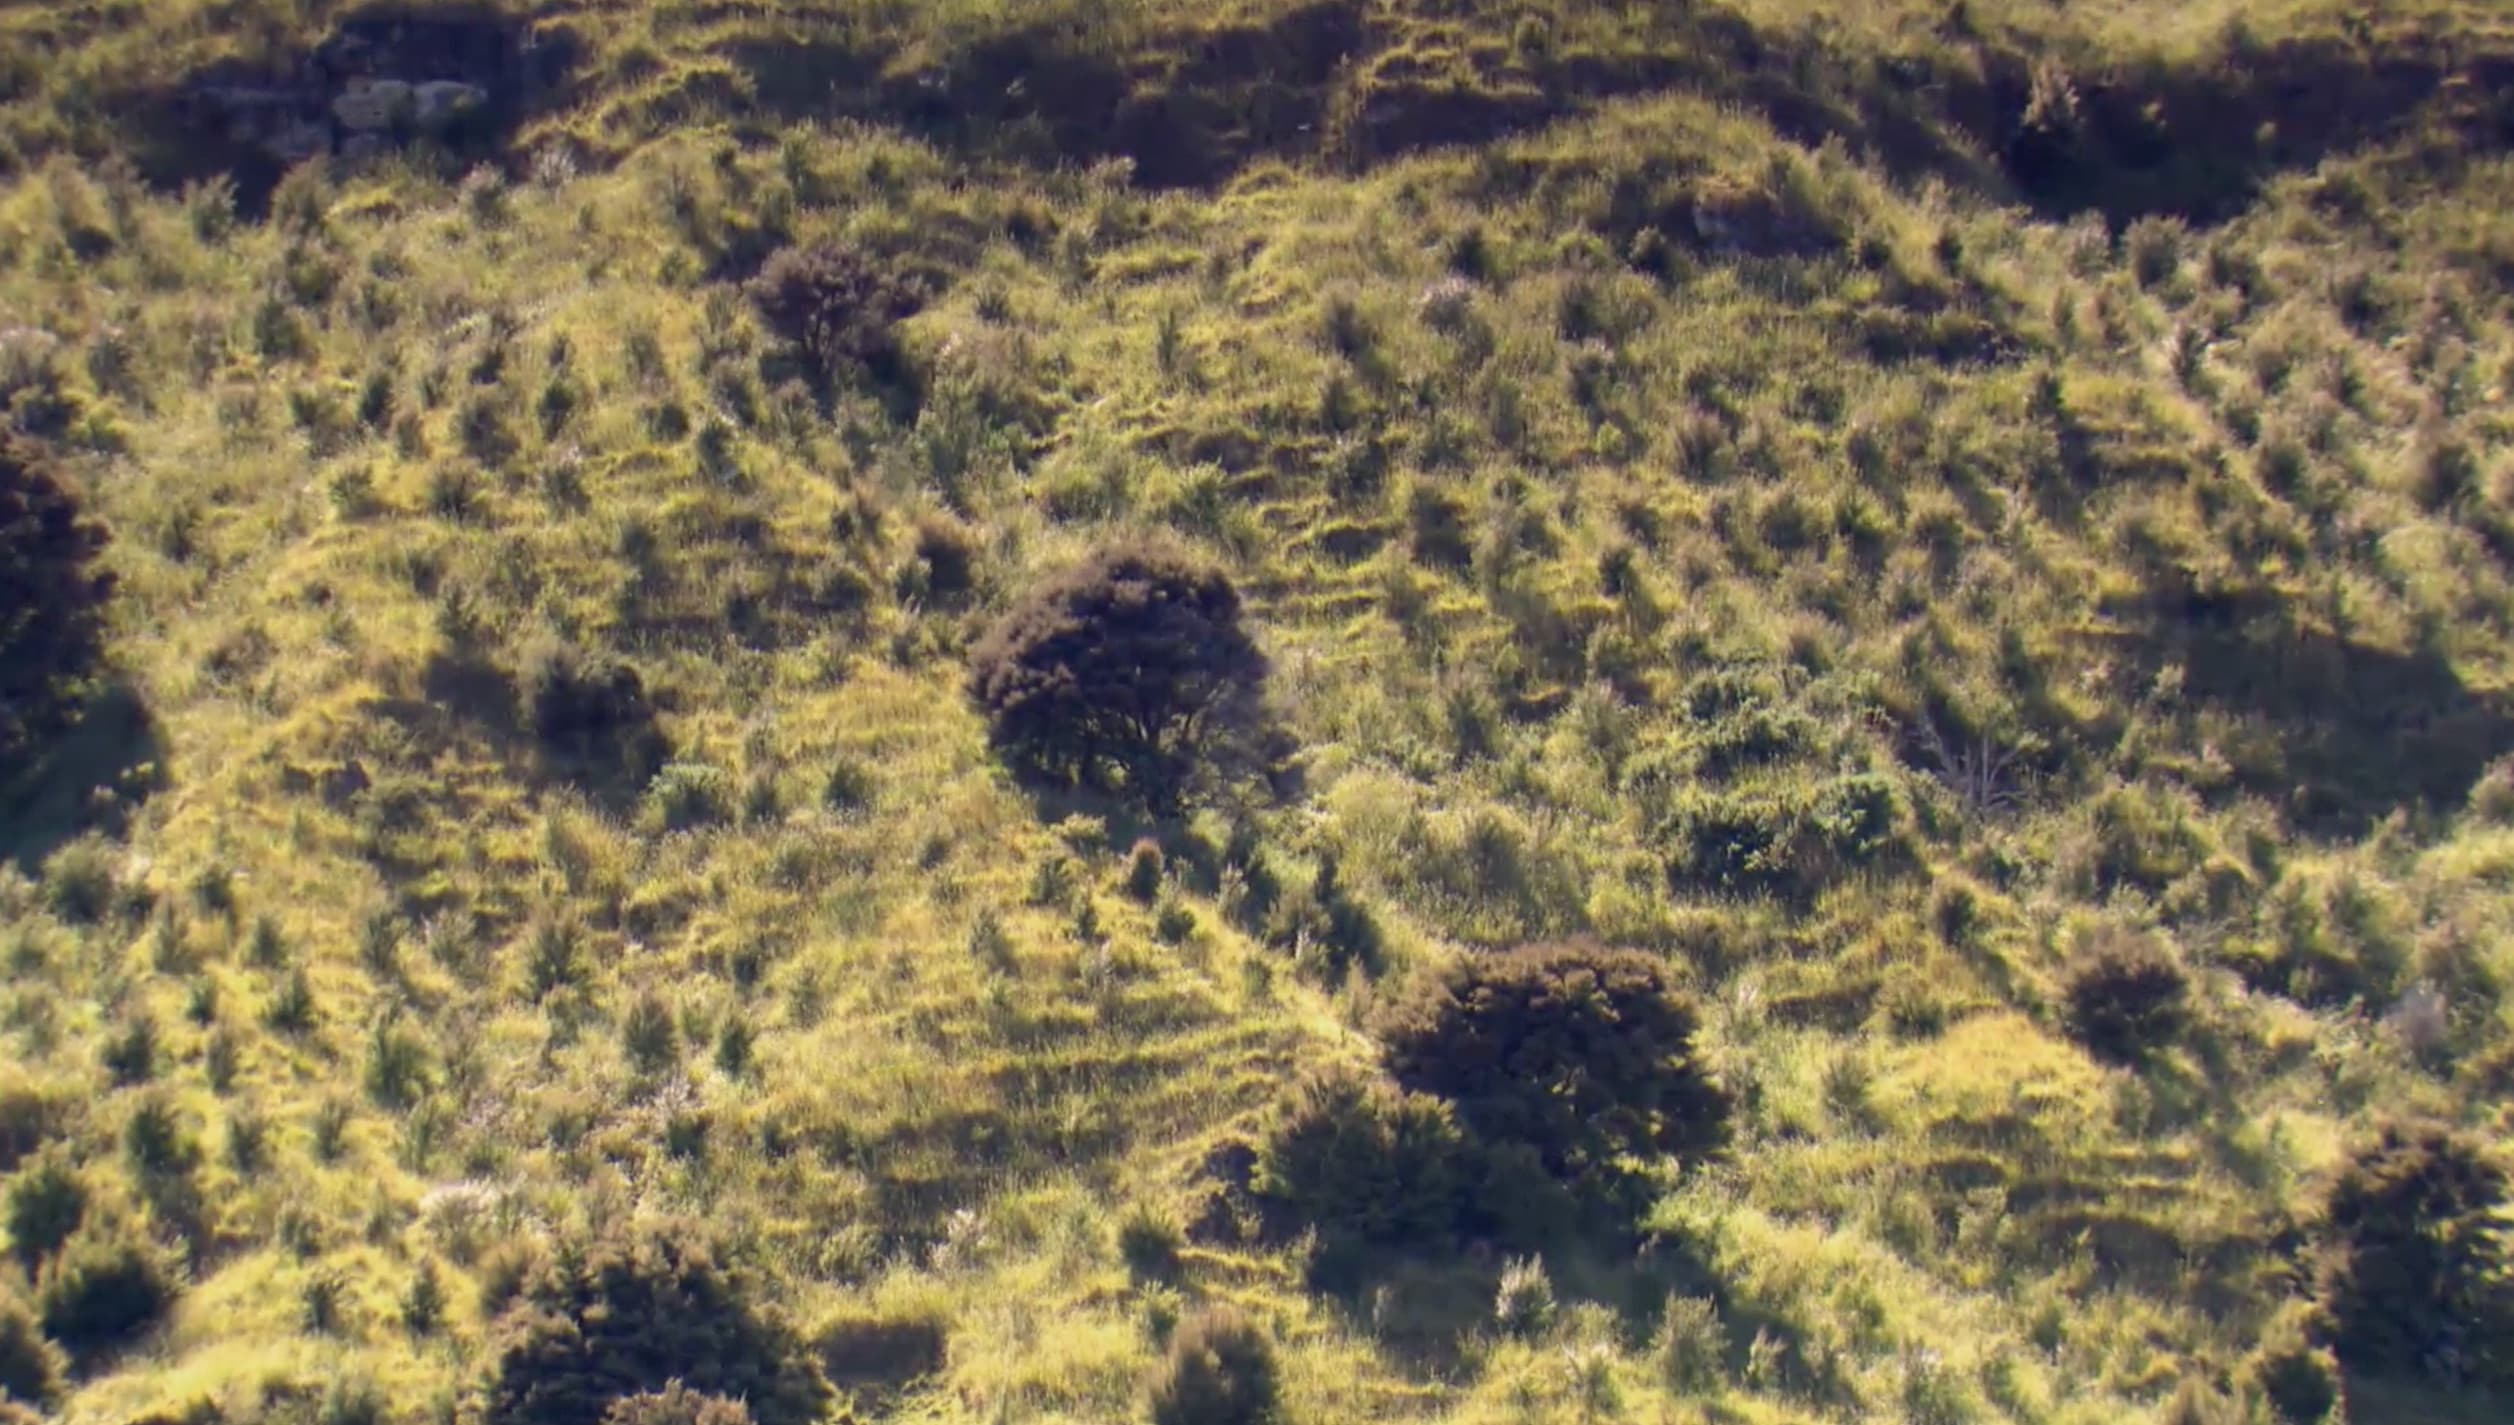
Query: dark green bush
x=2413, y=1267
x=676, y=1404
x=2299, y=1379
x=1128, y=673
x=1364, y=1163
x=1220, y=1371
x=1582, y=1054
x=104, y=1289
x=29, y=1118
x=1788, y=842
x=630, y=1313
x=880, y=1352
x=840, y=308
x=46, y=1203
x=30, y=1369
x=2127, y=997
x=52, y=597
x=589, y=708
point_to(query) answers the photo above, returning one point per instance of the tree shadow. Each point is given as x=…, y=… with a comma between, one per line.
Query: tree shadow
x=2359, y=731
x=89, y=779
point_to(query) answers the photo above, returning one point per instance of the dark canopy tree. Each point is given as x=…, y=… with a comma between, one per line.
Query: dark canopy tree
x=1582, y=1054
x=2415, y=1269
x=52, y=598
x=1128, y=673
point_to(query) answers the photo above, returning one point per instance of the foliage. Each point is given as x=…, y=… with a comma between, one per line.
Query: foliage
x=1365, y=1164
x=589, y=709
x=1124, y=672
x=840, y=307
x=1585, y=1055
x=2127, y=996
x=623, y=1314
x=2413, y=1264
x=52, y=596
x=30, y=1368
x=46, y=1203
x=103, y=1290
x=676, y=1404
x=1220, y=1370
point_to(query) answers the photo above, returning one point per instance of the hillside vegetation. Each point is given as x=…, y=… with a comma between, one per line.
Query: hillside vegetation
x=1268, y=711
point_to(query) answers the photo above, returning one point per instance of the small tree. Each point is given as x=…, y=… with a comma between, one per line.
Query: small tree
x=1220, y=1371
x=1584, y=1056
x=2127, y=997
x=2415, y=1272
x=1125, y=673
x=839, y=307
x=629, y=1314
x=1364, y=1163
x=52, y=597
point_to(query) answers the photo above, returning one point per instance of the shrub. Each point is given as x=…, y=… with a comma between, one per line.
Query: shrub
x=104, y=1289
x=946, y=564
x=883, y=1351
x=676, y=1404
x=2127, y=997
x=2414, y=1270
x=1149, y=1244
x=1364, y=1163
x=2299, y=1379
x=46, y=1204
x=588, y=708
x=1582, y=1054
x=631, y=1313
x=687, y=795
x=1524, y=1304
x=1123, y=672
x=1220, y=1371
x=839, y=307
x=52, y=597
x=30, y=1369
x=1145, y=868
x=29, y=1117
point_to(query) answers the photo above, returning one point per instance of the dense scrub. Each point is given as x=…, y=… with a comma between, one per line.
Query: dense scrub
x=1018, y=654
x=52, y=597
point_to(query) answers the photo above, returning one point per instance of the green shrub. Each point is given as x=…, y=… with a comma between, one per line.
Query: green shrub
x=30, y=1368
x=625, y=1314
x=104, y=1289
x=2298, y=1378
x=1220, y=1371
x=1123, y=673
x=587, y=708
x=840, y=308
x=2413, y=1267
x=687, y=795
x=29, y=1118
x=2127, y=997
x=676, y=1404
x=52, y=597
x=46, y=1203
x=882, y=1351
x=1145, y=868
x=1149, y=1244
x=1363, y=1163
x=1788, y=842
x=1524, y=1304
x=1584, y=1055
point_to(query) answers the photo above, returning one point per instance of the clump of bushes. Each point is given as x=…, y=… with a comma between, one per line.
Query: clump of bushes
x=589, y=708
x=1788, y=841
x=1130, y=674
x=103, y=1290
x=676, y=1404
x=1220, y=1371
x=630, y=1313
x=1580, y=1057
x=840, y=307
x=52, y=597
x=878, y=1351
x=2414, y=1272
x=1366, y=1164
x=2127, y=997
x=30, y=1367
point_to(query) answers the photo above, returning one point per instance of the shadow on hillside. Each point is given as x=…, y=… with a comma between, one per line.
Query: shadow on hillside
x=1351, y=85
x=89, y=779
x=2361, y=731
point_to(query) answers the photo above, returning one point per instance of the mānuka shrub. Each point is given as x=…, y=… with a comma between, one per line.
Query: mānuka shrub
x=1129, y=673
x=105, y=1288
x=52, y=597
x=1583, y=1053
x=634, y=1312
x=840, y=306
x=589, y=708
x=1365, y=1163
x=2414, y=1269
x=1220, y=1371
x=2127, y=996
